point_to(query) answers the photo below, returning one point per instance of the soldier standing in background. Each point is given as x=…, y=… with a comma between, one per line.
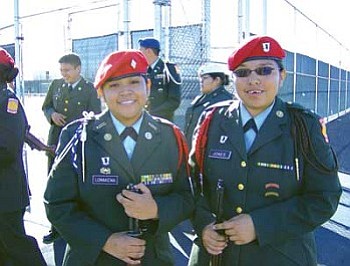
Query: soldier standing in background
x=65, y=101
x=213, y=79
x=16, y=248
x=165, y=78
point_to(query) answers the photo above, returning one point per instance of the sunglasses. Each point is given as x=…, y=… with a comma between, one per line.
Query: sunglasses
x=261, y=71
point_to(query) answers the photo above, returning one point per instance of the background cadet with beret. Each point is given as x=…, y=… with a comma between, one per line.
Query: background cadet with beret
x=65, y=101
x=165, y=96
x=213, y=79
x=278, y=170
x=16, y=248
x=86, y=199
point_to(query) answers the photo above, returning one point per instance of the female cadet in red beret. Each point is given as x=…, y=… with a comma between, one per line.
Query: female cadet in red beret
x=16, y=248
x=86, y=196
x=278, y=172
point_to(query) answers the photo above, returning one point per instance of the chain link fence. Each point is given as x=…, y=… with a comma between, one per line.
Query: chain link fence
x=317, y=64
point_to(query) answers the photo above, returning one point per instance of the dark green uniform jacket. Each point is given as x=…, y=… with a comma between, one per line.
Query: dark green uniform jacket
x=263, y=183
x=16, y=248
x=87, y=213
x=165, y=96
x=69, y=103
x=13, y=126
x=199, y=104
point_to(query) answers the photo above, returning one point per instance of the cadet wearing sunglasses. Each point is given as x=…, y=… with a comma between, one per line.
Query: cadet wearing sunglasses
x=279, y=174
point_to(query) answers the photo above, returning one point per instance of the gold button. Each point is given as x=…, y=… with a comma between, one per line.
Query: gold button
x=243, y=164
x=78, y=103
x=65, y=109
x=66, y=101
x=240, y=186
x=239, y=210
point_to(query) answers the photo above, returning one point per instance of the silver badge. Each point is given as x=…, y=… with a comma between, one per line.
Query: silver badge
x=148, y=135
x=107, y=137
x=279, y=113
x=223, y=139
x=105, y=161
x=105, y=170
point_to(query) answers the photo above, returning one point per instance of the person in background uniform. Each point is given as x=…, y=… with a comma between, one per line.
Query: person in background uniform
x=100, y=156
x=16, y=247
x=276, y=166
x=213, y=79
x=65, y=101
x=165, y=96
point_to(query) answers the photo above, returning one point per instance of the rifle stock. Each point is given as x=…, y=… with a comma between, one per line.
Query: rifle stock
x=35, y=143
x=216, y=260
x=134, y=227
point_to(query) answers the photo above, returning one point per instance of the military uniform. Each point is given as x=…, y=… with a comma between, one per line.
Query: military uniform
x=69, y=103
x=15, y=246
x=285, y=206
x=165, y=96
x=86, y=212
x=199, y=104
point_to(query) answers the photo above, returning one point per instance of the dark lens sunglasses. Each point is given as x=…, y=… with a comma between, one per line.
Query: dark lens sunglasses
x=261, y=71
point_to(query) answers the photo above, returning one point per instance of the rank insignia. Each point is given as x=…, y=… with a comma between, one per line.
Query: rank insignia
x=12, y=106
x=272, y=190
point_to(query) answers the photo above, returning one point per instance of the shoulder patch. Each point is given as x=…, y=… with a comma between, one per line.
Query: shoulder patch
x=12, y=106
x=324, y=129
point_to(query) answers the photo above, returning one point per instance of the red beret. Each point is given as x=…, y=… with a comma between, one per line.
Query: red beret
x=120, y=65
x=6, y=58
x=262, y=47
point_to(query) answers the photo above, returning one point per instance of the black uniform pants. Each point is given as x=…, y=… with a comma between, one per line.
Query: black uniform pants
x=17, y=248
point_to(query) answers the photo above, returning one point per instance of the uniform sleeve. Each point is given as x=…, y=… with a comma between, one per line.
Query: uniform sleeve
x=47, y=106
x=173, y=89
x=87, y=236
x=316, y=203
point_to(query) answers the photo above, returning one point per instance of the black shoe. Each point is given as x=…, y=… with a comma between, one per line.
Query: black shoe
x=51, y=237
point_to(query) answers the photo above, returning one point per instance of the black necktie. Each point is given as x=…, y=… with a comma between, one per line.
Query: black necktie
x=128, y=131
x=70, y=87
x=250, y=125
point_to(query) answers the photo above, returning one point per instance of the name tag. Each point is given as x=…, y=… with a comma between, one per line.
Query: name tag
x=106, y=180
x=220, y=154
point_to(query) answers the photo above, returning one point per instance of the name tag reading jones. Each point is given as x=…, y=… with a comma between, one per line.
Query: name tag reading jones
x=220, y=154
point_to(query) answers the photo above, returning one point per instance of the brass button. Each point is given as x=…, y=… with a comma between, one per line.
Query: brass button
x=240, y=186
x=78, y=103
x=239, y=210
x=65, y=109
x=66, y=101
x=243, y=164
